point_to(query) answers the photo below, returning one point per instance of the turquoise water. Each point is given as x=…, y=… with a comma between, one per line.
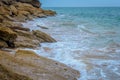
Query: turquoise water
x=88, y=40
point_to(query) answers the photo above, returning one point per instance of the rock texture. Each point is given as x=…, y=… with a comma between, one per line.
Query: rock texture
x=43, y=37
x=13, y=33
x=35, y=3
x=30, y=64
x=6, y=74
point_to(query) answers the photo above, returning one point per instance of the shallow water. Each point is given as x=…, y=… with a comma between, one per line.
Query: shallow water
x=88, y=40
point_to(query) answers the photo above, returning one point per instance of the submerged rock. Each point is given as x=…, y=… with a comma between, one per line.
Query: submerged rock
x=43, y=27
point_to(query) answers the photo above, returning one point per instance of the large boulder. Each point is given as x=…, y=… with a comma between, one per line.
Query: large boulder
x=43, y=37
x=52, y=70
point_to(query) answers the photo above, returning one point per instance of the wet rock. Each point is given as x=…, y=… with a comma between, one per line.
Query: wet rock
x=42, y=27
x=49, y=12
x=43, y=37
x=52, y=70
x=47, y=49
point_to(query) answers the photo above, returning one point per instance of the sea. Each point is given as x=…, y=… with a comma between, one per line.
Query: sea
x=88, y=40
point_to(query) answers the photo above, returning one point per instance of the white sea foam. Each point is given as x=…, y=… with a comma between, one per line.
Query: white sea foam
x=86, y=50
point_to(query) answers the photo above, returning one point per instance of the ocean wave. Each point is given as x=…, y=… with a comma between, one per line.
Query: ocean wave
x=83, y=28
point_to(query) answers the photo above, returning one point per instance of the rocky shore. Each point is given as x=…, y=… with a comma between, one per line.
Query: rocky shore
x=24, y=64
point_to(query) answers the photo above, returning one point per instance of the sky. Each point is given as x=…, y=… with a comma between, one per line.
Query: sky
x=80, y=3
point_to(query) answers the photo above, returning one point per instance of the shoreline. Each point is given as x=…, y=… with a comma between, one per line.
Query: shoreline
x=14, y=35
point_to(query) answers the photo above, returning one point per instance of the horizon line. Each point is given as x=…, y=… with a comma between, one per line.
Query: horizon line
x=79, y=6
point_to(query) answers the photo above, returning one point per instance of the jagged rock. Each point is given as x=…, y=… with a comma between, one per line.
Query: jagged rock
x=19, y=28
x=49, y=12
x=43, y=37
x=26, y=39
x=35, y=3
x=14, y=26
x=8, y=36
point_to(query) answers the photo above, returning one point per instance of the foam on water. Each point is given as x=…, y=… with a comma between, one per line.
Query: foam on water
x=86, y=41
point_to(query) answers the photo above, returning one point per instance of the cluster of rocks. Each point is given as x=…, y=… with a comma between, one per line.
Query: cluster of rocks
x=24, y=64
x=12, y=33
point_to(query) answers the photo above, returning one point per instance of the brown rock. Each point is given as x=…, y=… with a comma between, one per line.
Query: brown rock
x=6, y=74
x=3, y=44
x=8, y=36
x=8, y=2
x=20, y=18
x=26, y=39
x=35, y=3
x=43, y=37
x=8, y=17
x=51, y=69
x=25, y=13
x=1, y=18
x=14, y=10
x=49, y=12
x=3, y=10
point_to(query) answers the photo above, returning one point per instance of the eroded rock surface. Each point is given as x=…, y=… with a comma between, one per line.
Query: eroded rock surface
x=12, y=32
x=36, y=67
x=14, y=35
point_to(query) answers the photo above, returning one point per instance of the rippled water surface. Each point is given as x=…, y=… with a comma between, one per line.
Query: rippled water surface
x=88, y=40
